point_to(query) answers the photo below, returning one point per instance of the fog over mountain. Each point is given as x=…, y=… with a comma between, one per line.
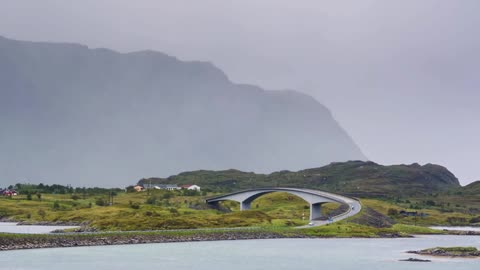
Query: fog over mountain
x=400, y=76
x=81, y=116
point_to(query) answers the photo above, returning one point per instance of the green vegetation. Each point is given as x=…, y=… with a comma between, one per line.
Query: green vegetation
x=426, y=215
x=155, y=210
x=172, y=210
x=397, y=200
x=458, y=249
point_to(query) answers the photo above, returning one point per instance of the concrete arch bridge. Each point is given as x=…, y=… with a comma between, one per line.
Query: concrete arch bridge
x=314, y=197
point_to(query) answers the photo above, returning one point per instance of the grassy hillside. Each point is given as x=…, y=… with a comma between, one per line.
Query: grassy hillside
x=156, y=210
x=385, y=192
x=472, y=188
x=159, y=210
x=356, y=178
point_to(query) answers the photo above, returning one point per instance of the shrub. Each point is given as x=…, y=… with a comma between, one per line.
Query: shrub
x=100, y=202
x=151, y=200
x=430, y=203
x=56, y=205
x=75, y=197
x=130, y=189
x=173, y=211
x=167, y=195
x=134, y=205
x=475, y=220
x=42, y=213
x=457, y=220
x=392, y=212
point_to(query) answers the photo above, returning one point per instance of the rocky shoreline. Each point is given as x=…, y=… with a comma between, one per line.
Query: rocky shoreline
x=16, y=242
x=466, y=252
x=78, y=240
x=415, y=260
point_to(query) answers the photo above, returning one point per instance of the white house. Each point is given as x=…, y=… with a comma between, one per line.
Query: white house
x=167, y=187
x=191, y=187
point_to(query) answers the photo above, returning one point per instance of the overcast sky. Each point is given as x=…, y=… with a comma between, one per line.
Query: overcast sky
x=402, y=77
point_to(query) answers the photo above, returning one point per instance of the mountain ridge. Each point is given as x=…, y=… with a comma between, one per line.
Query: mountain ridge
x=355, y=178
x=85, y=115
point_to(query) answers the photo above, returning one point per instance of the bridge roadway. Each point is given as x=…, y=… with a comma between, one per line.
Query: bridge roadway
x=314, y=197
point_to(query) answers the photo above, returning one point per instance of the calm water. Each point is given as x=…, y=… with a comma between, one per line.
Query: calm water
x=278, y=254
x=9, y=227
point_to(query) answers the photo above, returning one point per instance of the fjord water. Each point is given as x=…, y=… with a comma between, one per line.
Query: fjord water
x=248, y=254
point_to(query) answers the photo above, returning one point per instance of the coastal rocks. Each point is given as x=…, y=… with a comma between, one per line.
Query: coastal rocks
x=75, y=240
x=453, y=232
x=449, y=252
x=415, y=260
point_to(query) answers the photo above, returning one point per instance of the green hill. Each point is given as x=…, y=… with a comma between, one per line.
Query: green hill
x=472, y=188
x=355, y=178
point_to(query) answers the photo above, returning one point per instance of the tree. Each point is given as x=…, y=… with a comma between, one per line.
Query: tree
x=392, y=212
x=39, y=196
x=100, y=202
x=56, y=205
x=134, y=205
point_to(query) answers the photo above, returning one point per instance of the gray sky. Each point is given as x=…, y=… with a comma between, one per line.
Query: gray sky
x=401, y=77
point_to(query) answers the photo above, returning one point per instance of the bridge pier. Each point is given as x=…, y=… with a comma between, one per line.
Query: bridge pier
x=214, y=205
x=245, y=205
x=315, y=211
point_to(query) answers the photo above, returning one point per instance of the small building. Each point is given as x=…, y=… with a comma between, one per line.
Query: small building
x=9, y=192
x=138, y=188
x=191, y=187
x=167, y=187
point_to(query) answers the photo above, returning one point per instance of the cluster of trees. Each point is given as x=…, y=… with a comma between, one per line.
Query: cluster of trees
x=60, y=189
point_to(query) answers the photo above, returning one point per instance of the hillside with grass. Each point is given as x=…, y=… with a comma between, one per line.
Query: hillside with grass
x=154, y=210
x=165, y=210
x=355, y=178
x=394, y=199
x=472, y=188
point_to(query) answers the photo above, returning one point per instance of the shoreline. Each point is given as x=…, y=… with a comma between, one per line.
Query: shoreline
x=19, y=241
x=59, y=241
x=10, y=242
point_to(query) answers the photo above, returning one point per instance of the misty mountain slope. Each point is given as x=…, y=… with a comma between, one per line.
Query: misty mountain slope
x=81, y=116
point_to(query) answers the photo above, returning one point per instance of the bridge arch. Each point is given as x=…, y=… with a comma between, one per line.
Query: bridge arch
x=314, y=197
